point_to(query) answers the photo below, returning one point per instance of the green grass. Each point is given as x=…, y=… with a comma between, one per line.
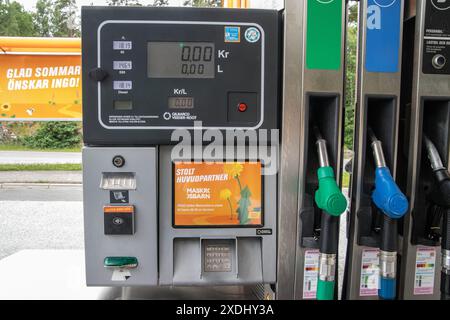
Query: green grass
x=40, y=167
x=345, y=180
x=18, y=147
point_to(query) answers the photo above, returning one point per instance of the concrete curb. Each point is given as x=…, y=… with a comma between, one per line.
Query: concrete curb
x=47, y=185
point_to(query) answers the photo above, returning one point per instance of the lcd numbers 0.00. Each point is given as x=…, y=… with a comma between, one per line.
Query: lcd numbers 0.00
x=181, y=60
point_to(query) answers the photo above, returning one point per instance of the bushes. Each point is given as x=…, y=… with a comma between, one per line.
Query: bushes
x=54, y=135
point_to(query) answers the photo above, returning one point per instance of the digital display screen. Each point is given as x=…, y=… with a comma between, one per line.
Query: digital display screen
x=181, y=60
x=219, y=194
x=123, y=105
x=181, y=103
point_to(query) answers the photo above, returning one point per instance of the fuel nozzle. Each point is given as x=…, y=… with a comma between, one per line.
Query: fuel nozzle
x=328, y=196
x=387, y=195
x=442, y=200
x=440, y=173
x=333, y=203
x=392, y=202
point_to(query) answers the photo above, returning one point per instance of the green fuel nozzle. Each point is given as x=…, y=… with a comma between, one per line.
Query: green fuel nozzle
x=328, y=196
x=333, y=203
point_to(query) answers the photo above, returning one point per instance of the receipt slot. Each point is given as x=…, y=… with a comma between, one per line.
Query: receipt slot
x=155, y=215
x=425, y=114
x=313, y=98
x=376, y=202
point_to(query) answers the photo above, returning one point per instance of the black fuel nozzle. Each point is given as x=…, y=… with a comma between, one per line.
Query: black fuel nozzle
x=440, y=174
x=441, y=199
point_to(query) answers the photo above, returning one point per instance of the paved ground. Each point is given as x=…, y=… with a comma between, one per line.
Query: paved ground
x=30, y=157
x=46, y=193
x=44, y=224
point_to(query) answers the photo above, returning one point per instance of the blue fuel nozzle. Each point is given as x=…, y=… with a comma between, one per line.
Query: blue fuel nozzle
x=387, y=195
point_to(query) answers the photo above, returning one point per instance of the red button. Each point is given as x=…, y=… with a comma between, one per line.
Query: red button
x=242, y=107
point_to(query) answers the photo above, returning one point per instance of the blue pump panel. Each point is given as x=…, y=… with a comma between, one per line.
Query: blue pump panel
x=383, y=35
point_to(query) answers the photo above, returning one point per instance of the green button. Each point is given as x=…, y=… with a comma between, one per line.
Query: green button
x=120, y=262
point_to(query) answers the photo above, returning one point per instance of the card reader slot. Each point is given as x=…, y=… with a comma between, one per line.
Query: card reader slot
x=118, y=181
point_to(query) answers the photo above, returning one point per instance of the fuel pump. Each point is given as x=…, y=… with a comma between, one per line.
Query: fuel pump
x=441, y=201
x=424, y=137
x=332, y=202
x=393, y=203
x=173, y=194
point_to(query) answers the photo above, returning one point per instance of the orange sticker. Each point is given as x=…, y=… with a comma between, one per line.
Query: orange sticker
x=118, y=209
x=40, y=87
x=218, y=194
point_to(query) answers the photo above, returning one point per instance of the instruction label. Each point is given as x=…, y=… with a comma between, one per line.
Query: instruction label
x=310, y=274
x=370, y=273
x=436, y=42
x=425, y=264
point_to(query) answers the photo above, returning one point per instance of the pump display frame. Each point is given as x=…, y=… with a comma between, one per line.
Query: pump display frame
x=246, y=71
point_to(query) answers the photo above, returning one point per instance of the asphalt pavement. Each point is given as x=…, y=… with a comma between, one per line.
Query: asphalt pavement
x=40, y=225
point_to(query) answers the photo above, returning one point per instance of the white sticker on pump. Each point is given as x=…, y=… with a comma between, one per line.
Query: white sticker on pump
x=370, y=272
x=123, y=85
x=120, y=275
x=424, y=276
x=310, y=274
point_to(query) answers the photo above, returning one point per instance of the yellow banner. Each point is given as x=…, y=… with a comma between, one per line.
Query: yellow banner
x=40, y=87
x=218, y=194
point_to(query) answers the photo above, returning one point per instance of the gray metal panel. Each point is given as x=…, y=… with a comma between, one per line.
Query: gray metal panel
x=143, y=244
x=424, y=85
x=255, y=255
x=368, y=84
x=290, y=148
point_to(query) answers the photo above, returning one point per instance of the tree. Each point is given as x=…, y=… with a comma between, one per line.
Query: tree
x=350, y=81
x=64, y=19
x=15, y=21
x=56, y=18
x=123, y=3
x=160, y=3
x=42, y=18
x=203, y=3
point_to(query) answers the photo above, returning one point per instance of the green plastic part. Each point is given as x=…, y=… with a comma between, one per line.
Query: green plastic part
x=325, y=290
x=324, y=34
x=120, y=262
x=329, y=197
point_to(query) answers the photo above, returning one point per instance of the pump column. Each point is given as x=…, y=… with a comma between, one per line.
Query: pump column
x=371, y=224
x=426, y=138
x=313, y=96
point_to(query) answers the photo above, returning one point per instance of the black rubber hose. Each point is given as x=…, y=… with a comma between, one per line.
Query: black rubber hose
x=389, y=234
x=446, y=230
x=442, y=177
x=329, y=234
x=445, y=286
